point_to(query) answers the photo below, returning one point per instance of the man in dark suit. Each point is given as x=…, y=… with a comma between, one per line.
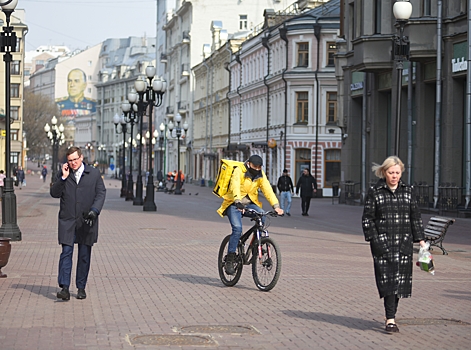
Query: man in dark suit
x=82, y=194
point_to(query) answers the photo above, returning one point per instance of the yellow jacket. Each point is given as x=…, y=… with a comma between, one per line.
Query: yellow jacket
x=242, y=186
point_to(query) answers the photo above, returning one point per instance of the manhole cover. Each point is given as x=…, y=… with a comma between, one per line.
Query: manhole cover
x=430, y=321
x=219, y=329
x=172, y=339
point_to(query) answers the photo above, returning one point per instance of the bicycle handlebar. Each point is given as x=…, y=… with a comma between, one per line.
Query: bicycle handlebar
x=263, y=213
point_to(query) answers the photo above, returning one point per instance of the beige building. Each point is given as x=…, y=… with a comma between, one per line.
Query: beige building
x=187, y=31
x=16, y=100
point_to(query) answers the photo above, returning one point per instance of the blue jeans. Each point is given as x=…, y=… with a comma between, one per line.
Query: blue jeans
x=83, y=265
x=235, y=218
x=285, y=196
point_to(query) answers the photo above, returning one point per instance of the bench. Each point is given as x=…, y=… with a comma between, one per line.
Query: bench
x=435, y=231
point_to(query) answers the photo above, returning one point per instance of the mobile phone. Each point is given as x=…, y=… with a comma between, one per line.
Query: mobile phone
x=66, y=166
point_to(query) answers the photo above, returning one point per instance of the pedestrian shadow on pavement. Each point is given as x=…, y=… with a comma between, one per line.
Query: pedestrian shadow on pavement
x=349, y=322
x=48, y=292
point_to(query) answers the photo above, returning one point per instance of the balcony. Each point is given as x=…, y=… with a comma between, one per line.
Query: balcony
x=163, y=58
x=185, y=37
x=170, y=111
x=372, y=53
x=182, y=107
x=185, y=70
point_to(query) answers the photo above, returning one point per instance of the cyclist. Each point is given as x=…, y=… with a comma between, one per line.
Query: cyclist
x=243, y=193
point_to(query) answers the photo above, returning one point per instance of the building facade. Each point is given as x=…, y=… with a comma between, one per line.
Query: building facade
x=17, y=142
x=432, y=106
x=283, y=95
x=186, y=33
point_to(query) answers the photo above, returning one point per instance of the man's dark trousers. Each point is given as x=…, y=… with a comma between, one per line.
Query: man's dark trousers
x=83, y=265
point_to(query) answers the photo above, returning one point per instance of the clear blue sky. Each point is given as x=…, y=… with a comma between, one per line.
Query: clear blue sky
x=81, y=23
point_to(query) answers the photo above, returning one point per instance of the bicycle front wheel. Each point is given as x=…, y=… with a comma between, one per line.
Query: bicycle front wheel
x=267, y=268
x=228, y=280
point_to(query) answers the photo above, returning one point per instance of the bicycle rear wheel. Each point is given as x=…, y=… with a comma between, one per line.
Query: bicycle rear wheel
x=266, y=271
x=228, y=280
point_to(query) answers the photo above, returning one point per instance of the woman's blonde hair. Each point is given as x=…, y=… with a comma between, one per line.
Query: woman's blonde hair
x=379, y=170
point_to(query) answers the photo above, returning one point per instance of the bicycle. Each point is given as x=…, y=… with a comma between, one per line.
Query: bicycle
x=262, y=252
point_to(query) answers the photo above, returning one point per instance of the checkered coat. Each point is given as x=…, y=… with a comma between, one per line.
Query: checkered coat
x=392, y=223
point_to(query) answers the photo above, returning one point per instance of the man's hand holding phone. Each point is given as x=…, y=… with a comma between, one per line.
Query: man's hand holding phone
x=65, y=171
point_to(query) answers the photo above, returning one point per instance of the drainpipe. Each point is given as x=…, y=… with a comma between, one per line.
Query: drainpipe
x=237, y=58
x=283, y=35
x=226, y=66
x=265, y=43
x=364, y=110
x=317, y=34
x=409, y=123
x=438, y=105
x=468, y=115
x=206, y=120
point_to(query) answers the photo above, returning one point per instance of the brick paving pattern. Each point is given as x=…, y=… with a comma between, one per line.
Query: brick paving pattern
x=155, y=273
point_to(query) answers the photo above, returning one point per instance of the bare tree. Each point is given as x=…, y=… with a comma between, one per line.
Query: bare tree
x=38, y=110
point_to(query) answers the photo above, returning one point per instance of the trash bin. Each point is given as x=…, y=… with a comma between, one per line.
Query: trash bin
x=202, y=182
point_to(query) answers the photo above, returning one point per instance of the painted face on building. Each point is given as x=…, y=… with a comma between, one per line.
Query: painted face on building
x=76, y=84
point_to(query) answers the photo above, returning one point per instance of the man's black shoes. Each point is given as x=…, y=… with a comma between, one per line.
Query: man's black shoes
x=64, y=294
x=229, y=265
x=81, y=294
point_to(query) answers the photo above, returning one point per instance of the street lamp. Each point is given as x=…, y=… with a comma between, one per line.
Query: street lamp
x=119, y=120
x=89, y=148
x=140, y=86
x=56, y=135
x=402, y=11
x=9, y=227
x=154, y=92
x=130, y=116
x=178, y=132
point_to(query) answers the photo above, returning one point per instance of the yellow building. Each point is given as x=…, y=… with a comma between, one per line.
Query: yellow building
x=16, y=88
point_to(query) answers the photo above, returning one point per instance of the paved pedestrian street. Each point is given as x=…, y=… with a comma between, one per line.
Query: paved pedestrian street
x=154, y=282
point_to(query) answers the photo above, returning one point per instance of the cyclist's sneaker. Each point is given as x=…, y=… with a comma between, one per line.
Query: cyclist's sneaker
x=230, y=261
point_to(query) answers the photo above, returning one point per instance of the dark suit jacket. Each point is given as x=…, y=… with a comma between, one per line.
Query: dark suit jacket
x=75, y=200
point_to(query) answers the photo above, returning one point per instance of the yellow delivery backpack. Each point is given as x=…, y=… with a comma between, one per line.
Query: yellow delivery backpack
x=223, y=180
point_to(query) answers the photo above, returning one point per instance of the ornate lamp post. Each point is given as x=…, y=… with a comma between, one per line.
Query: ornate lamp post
x=402, y=11
x=55, y=134
x=178, y=132
x=130, y=116
x=140, y=86
x=154, y=93
x=9, y=227
x=119, y=120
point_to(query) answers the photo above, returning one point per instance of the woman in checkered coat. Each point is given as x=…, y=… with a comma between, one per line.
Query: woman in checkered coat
x=392, y=223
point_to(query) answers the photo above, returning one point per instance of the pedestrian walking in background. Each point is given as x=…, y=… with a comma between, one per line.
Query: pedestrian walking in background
x=285, y=186
x=2, y=176
x=82, y=194
x=392, y=223
x=308, y=186
x=44, y=173
x=20, y=176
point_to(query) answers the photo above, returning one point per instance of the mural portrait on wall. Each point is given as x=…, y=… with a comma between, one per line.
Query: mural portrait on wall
x=76, y=104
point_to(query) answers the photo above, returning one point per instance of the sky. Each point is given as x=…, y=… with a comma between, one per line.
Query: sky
x=79, y=24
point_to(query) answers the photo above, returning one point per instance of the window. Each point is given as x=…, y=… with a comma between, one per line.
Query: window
x=332, y=167
x=331, y=108
x=242, y=22
x=427, y=10
x=331, y=51
x=14, y=112
x=15, y=90
x=303, y=54
x=303, y=161
x=377, y=12
x=15, y=68
x=302, y=107
x=14, y=135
